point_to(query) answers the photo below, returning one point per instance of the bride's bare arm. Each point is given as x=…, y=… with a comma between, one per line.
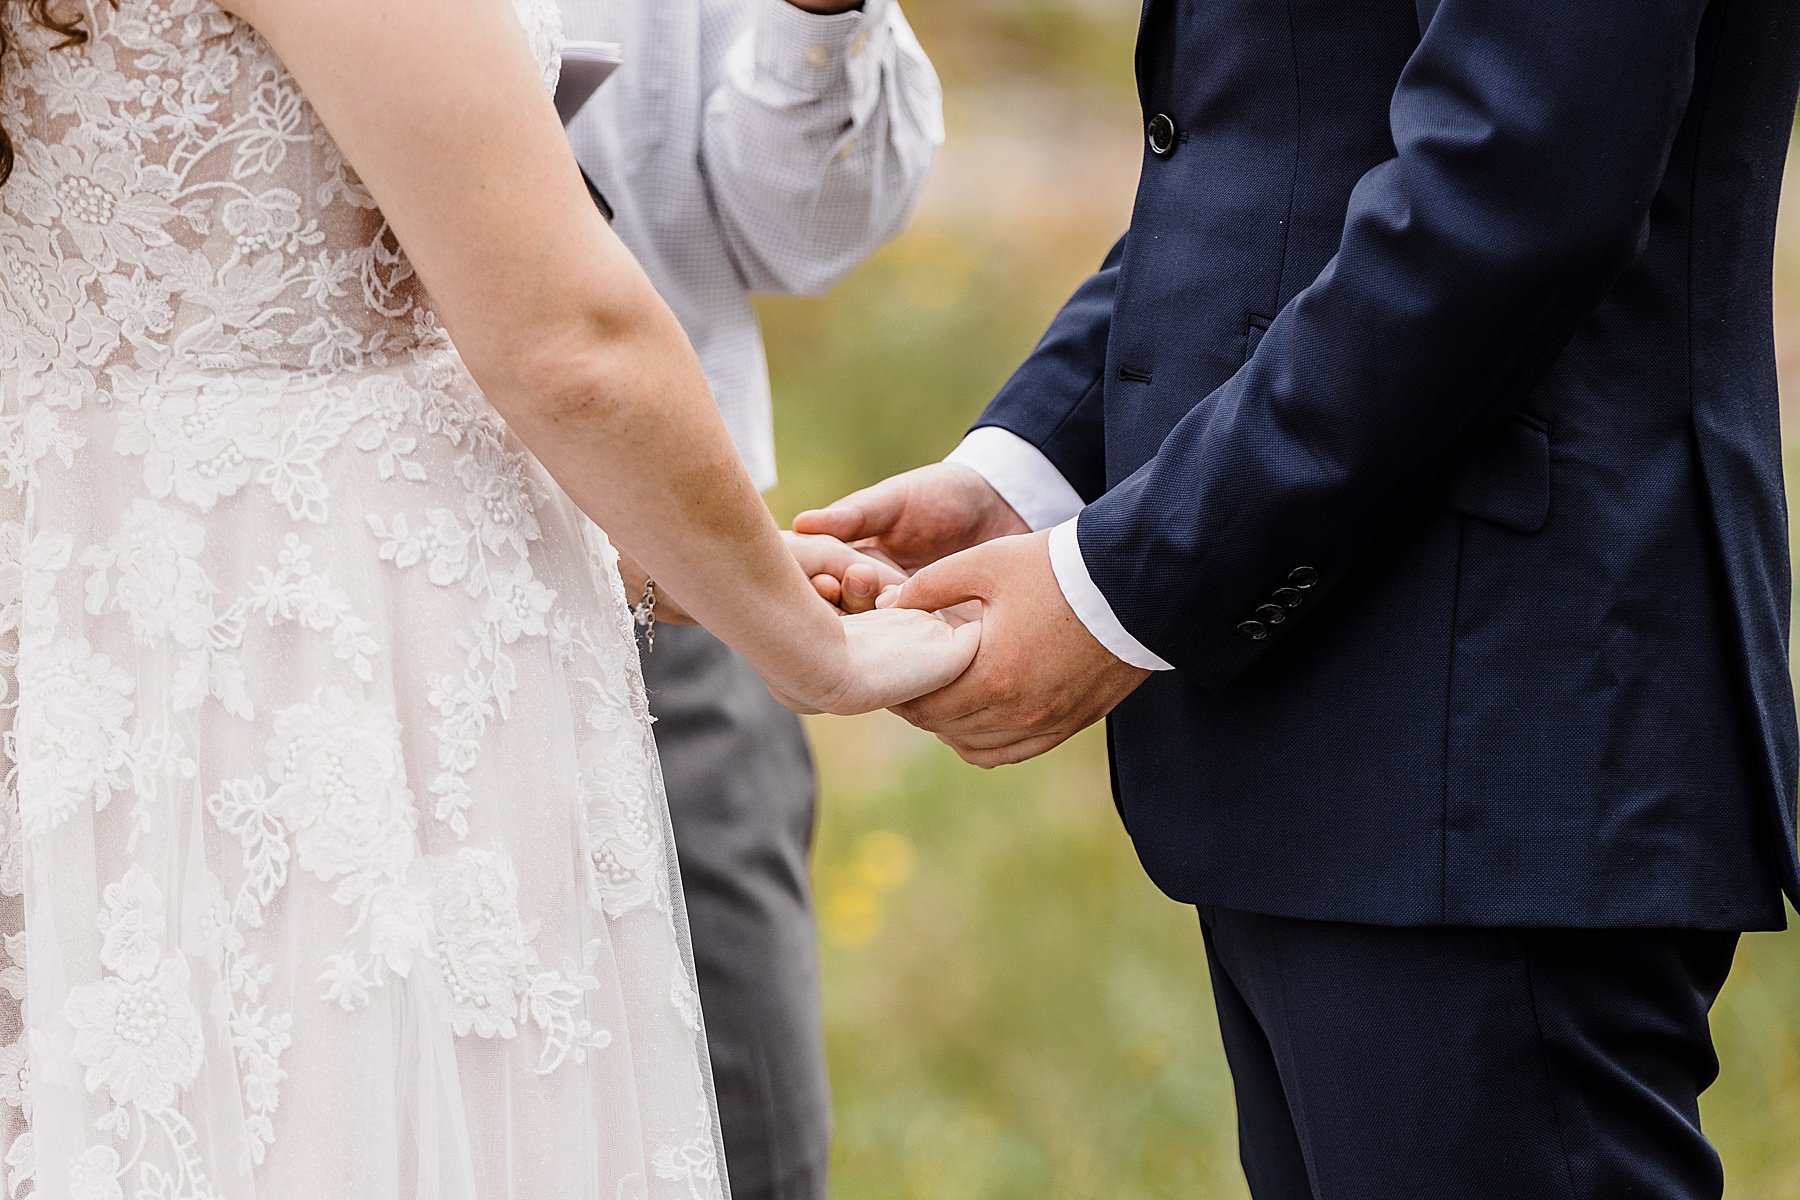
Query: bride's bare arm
x=440, y=108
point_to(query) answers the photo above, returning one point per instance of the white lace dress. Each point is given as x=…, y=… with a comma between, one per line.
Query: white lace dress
x=333, y=854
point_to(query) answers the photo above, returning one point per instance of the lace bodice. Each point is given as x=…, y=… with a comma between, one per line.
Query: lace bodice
x=176, y=207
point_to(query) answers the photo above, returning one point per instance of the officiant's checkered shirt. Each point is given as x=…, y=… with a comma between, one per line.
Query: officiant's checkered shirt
x=748, y=146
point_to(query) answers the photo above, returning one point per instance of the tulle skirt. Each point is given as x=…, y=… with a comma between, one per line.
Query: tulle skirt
x=335, y=859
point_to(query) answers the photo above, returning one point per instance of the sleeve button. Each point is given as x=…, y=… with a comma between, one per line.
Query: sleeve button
x=1288, y=597
x=1303, y=577
x=1162, y=135
x=1253, y=631
x=1271, y=614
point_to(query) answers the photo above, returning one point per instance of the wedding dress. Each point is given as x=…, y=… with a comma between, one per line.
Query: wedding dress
x=333, y=852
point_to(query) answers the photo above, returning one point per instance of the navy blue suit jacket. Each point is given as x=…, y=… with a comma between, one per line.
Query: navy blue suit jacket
x=1426, y=417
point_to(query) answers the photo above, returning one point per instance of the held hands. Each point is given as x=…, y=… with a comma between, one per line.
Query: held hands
x=1039, y=678
x=882, y=658
x=845, y=578
x=886, y=658
x=916, y=518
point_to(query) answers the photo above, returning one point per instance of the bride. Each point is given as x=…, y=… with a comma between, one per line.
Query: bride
x=333, y=854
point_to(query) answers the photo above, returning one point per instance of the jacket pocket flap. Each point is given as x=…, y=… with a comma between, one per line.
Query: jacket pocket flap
x=1505, y=477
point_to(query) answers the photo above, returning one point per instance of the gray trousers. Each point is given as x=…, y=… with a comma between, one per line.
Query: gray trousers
x=741, y=797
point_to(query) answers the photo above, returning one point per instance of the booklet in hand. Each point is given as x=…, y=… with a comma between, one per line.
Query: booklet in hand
x=585, y=66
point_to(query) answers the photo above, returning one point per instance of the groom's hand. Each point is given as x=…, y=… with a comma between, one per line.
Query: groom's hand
x=1039, y=677
x=916, y=518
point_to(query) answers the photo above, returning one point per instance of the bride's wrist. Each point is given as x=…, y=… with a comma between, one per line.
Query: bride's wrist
x=812, y=660
x=649, y=602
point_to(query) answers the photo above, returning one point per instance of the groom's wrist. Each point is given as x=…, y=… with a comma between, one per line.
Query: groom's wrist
x=1091, y=606
x=1020, y=474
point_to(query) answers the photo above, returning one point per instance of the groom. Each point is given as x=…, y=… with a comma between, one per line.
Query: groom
x=1408, y=490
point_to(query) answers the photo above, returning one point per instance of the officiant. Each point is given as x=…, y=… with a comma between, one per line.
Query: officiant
x=751, y=146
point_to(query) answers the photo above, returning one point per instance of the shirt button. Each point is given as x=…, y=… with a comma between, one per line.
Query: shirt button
x=817, y=56
x=859, y=45
x=1303, y=577
x=1161, y=134
x=1271, y=614
x=1254, y=631
x=846, y=150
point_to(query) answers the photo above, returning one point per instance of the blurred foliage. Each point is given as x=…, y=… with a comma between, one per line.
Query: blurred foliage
x=1013, y=1011
x=1024, y=1016
x=1084, y=42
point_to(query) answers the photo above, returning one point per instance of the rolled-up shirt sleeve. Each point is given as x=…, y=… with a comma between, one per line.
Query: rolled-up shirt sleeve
x=1044, y=499
x=818, y=139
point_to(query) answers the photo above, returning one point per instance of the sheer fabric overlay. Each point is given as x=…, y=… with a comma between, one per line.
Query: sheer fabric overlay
x=334, y=859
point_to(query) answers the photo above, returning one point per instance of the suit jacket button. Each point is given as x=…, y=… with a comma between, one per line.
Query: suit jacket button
x=1271, y=614
x=1288, y=597
x=1161, y=134
x=1303, y=577
x=1254, y=631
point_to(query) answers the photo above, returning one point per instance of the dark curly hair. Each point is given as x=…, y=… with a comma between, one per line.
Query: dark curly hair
x=72, y=30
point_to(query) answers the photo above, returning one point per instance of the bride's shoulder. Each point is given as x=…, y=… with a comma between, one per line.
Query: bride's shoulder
x=542, y=20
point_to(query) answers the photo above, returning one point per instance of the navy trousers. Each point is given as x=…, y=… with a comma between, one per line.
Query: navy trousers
x=1379, y=1063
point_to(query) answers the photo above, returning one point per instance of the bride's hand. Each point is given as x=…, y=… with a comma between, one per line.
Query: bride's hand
x=886, y=657
x=844, y=577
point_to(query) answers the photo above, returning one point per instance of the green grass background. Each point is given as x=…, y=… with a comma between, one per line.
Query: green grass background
x=1013, y=1011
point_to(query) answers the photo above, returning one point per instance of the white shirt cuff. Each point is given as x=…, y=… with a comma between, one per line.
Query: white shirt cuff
x=1091, y=606
x=811, y=49
x=1018, y=470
